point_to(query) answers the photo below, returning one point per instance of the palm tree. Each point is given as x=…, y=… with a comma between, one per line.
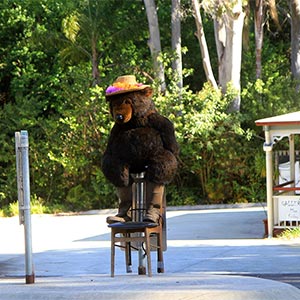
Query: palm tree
x=82, y=30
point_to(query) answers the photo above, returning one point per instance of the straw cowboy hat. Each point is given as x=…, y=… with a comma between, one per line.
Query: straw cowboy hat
x=124, y=84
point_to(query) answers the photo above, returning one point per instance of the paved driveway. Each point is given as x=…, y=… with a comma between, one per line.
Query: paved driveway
x=210, y=241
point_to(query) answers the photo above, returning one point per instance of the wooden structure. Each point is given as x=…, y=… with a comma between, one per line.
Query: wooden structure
x=283, y=200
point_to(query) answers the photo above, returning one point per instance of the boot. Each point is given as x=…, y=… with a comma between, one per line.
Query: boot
x=125, y=198
x=154, y=200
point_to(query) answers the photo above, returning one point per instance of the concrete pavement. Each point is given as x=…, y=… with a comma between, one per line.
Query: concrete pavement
x=205, y=248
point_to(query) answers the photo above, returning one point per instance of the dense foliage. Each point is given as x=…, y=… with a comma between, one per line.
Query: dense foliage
x=49, y=86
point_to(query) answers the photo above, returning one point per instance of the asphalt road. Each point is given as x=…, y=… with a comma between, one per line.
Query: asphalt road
x=221, y=248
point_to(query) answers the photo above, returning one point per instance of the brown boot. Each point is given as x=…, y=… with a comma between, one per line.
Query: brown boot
x=125, y=198
x=154, y=200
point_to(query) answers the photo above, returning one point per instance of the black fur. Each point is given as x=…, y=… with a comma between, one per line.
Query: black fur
x=144, y=143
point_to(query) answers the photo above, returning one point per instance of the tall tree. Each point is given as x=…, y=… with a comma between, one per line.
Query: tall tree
x=203, y=45
x=273, y=13
x=154, y=41
x=228, y=27
x=259, y=22
x=228, y=35
x=176, y=41
x=90, y=35
x=295, y=39
x=82, y=29
x=259, y=34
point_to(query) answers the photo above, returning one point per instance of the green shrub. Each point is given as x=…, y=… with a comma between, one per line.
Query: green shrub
x=214, y=165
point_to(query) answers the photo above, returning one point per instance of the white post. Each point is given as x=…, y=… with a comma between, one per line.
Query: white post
x=268, y=145
x=22, y=163
x=292, y=159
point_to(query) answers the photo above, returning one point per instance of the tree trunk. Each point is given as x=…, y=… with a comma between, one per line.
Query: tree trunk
x=95, y=63
x=295, y=40
x=228, y=35
x=154, y=42
x=176, y=42
x=259, y=35
x=273, y=13
x=203, y=45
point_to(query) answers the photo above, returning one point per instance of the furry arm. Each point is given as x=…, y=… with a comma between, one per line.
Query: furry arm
x=166, y=129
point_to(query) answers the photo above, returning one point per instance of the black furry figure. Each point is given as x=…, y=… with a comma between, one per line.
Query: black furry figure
x=140, y=140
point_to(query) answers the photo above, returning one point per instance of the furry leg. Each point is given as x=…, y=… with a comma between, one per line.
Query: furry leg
x=154, y=199
x=125, y=198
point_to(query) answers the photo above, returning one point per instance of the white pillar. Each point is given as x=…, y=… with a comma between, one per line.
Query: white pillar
x=292, y=158
x=268, y=145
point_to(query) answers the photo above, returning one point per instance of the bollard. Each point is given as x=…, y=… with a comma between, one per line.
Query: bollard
x=22, y=166
x=138, y=214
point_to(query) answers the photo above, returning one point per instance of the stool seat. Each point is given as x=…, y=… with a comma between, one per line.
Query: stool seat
x=133, y=225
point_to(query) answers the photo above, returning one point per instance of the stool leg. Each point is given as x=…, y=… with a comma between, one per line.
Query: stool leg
x=148, y=252
x=160, y=258
x=112, y=253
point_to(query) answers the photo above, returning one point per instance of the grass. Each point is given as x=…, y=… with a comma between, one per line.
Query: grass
x=36, y=207
x=290, y=234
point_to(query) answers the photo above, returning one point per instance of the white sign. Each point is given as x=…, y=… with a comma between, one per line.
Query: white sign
x=289, y=208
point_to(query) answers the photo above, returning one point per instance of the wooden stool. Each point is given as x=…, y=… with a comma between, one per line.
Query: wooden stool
x=137, y=232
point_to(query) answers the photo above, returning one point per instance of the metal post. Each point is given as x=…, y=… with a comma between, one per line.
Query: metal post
x=22, y=164
x=268, y=145
x=140, y=206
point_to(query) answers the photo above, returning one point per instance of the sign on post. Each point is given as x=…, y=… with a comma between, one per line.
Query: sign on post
x=289, y=208
x=23, y=184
